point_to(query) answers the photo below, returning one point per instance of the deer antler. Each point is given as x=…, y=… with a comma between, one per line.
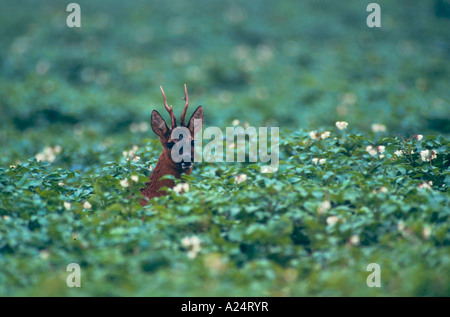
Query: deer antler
x=185, y=106
x=169, y=109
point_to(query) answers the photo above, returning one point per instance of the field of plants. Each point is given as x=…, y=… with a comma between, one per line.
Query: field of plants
x=363, y=176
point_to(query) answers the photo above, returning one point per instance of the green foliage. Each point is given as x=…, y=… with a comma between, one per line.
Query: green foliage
x=268, y=235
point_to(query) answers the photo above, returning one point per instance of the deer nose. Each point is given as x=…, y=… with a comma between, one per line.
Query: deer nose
x=186, y=161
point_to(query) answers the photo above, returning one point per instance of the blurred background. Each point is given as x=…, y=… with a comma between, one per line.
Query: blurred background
x=292, y=64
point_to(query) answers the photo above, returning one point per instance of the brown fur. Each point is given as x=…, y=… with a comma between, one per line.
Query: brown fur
x=165, y=165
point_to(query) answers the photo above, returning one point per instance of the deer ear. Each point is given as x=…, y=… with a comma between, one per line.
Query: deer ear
x=195, y=119
x=159, y=126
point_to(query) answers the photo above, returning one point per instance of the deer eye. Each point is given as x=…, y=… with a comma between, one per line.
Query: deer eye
x=170, y=145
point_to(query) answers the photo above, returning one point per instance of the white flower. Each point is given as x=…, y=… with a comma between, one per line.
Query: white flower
x=383, y=189
x=426, y=185
x=377, y=127
x=48, y=150
x=373, y=151
x=320, y=161
x=57, y=149
x=240, y=178
x=186, y=187
x=398, y=153
x=48, y=154
x=401, y=226
x=235, y=122
x=193, y=245
x=331, y=220
x=341, y=125
x=183, y=187
x=192, y=254
x=135, y=178
x=426, y=232
x=67, y=205
x=325, y=135
x=419, y=137
x=124, y=183
x=44, y=254
x=186, y=241
x=12, y=166
x=324, y=206
x=150, y=168
x=61, y=184
x=132, y=153
x=50, y=158
x=87, y=205
x=381, y=156
x=195, y=242
x=427, y=155
x=136, y=159
x=178, y=188
x=314, y=135
x=354, y=240
x=424, y=155
x=267, y=169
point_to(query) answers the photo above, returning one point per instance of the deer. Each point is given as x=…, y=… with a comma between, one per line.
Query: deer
x=166, y=165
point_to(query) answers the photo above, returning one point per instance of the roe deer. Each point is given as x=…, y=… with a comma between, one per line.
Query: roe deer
x=166, y=165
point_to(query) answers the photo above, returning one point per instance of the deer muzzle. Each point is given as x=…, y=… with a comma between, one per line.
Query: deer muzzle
x=186, y=161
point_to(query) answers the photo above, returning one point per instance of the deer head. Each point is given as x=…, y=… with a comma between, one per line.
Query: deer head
x=169, y=137
x=175, y=159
